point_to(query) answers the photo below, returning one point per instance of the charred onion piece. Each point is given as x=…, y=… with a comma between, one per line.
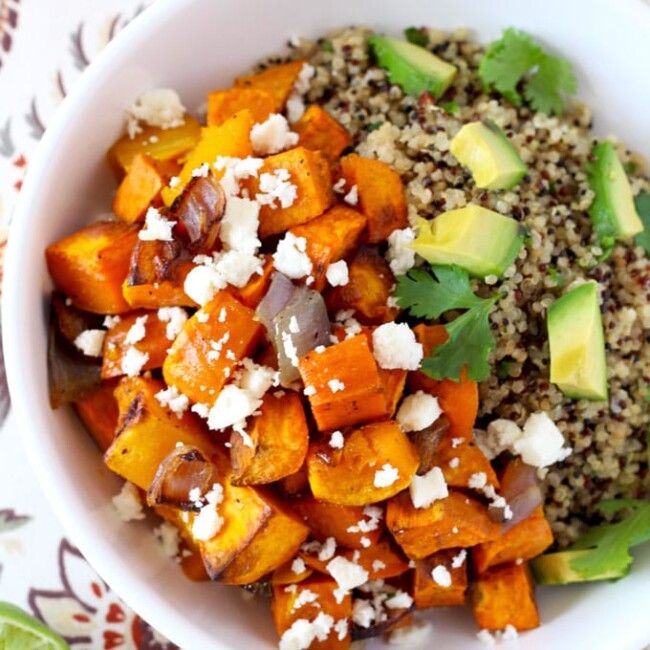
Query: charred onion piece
x=394, y=616
x=278, y=295
x=184, y=469
x=71, y=321
x=199, y=209
x=154, y=262
x=426, y=442
x=520, y=488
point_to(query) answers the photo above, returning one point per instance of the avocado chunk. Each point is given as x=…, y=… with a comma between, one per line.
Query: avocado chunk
x=485, y=150
x=479, y=240
x=577, y=344
x=555, y=569
x=413, y=68
x=612, y=211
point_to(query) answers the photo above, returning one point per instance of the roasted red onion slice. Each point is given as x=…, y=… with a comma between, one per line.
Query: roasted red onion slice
x=183, y=470
x=520, y=488
x=426, y=442
x=278, y=295
x=199, y=209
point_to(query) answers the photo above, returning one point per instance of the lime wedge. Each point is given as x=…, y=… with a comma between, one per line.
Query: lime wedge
x=21, y=631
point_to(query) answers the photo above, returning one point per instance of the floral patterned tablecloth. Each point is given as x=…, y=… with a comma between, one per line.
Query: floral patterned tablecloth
x=44, y=47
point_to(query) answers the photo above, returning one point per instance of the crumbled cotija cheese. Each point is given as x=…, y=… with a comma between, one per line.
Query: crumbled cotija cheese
x=386, y=476
x=542, y=443
x=175, y=401
x=441, y=575
x=418, y=411
x=275, y=187
x=239, y=225
x=208, y=522
x=400, y=256
x=133, y=361
x=160, y=107
x=336, y=440
x=400, y=600
x=327, y=550
x=302, y=632
x=295, y=105
x=298, y=566
x=336, y=385
x=428, y=488
x=128, y=503
x=395, y=346
x=167, y=536
x=111, y=321
x=156, y=227
x=348, y=575
x=272, y=136
x=290, y=257
x=91, y=342
x=175, y=318
x=137, y=331
x=352, y=197
x=338, y=274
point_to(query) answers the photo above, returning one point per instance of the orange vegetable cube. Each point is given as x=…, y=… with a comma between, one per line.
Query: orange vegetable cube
x=223, y=104
x=310, y=172
x=280, y=438
x=141, y=188
x=295, y=484
x=381, y=195
x=285, y=575
x=90, y=265
x=207, y=350
x=368, y=289
x=376, y=462
x=255, y=289
x=279, y=80
x=330, y=238
x=99, y=412
x=340, y=522
x=319, y=131
x=232, y=138
x=524, y=541
x=154, y=343
x=451, y=522
x=505, y=596
x=147, y=432
x=429, y=593
x=285, y=612
x=345, y=384
x=161, y=144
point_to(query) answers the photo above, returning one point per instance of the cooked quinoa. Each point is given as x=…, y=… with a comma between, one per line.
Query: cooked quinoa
x=610, y=457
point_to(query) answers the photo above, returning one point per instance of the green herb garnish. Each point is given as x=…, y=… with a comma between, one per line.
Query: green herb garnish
x=642, y=204
x=451, y=107
x=516, y=59
x=327, y=45
x=429, y=295
x=417, y=36
x=373, y=126
x=556, y=276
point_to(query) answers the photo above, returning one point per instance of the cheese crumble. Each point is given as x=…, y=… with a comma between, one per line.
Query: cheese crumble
x=156, y=227
x=338, y=274
x=386, y=476
x=160, y=107
x=290, y=257
x=91, y=342
x=272, y=136
x=394, y=346
x=428, y=488
x=418, y=411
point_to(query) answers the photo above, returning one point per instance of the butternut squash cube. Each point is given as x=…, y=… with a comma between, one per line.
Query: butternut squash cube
x=505, y=595
x=330, y=238
x=99, y=412
x=310, y=172
x=147, y=432
x=255, y=289
x=280, y=438
x=427, y=592
x=376, y=462
x=451, y=522
x=279, y=80
x=319, y=131
x=343, y=384
x=223, y=104
x=381, y=195
x=90, y=265
x=208, y=348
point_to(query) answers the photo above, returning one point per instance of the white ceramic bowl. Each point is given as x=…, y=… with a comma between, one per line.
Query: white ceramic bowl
x=194, y=46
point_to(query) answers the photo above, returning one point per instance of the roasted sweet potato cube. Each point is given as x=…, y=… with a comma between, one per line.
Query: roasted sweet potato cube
x=453, y=521
x=524, y=541
x=157, y=272
x=295, y=484
x=160, y=144
x=147, y=432
x=343, y=384
x=99, y=412
x=255, y=289
x=330, y=238
x=459, y=459
x=427, y=592
x=154, y=343
x=458, y=400
x=346, y=524
x=141, y=187
x=232, y=138
x=376, y=462
x=208, y=348
x=285, y=575
x=368, y=289
x=279, y=80
x=310, y=172
x=90, y=265
x=223, y=104
x=279, y=438
x=319, y=131
x=286, y=612
x=381, y=195
x=505, y=595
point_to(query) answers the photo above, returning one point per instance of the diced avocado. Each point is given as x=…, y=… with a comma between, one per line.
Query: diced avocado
x=612, y=211
x=413, y=68
x=577, y=344
x=479, y=240
x=485, y=150
x=556, y=569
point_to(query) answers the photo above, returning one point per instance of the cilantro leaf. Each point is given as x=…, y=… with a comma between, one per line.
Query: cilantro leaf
x=516, y=60
x=426, y=296
x=469, y=344
x=416, y=36
x=610, y=543
x=642, y=203
x=451, y=107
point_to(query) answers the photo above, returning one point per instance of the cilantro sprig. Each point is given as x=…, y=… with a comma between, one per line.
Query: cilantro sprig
x=642, y=203
x=519, y=69
x=417, y=36
x=610, y=544
x=470, y=339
